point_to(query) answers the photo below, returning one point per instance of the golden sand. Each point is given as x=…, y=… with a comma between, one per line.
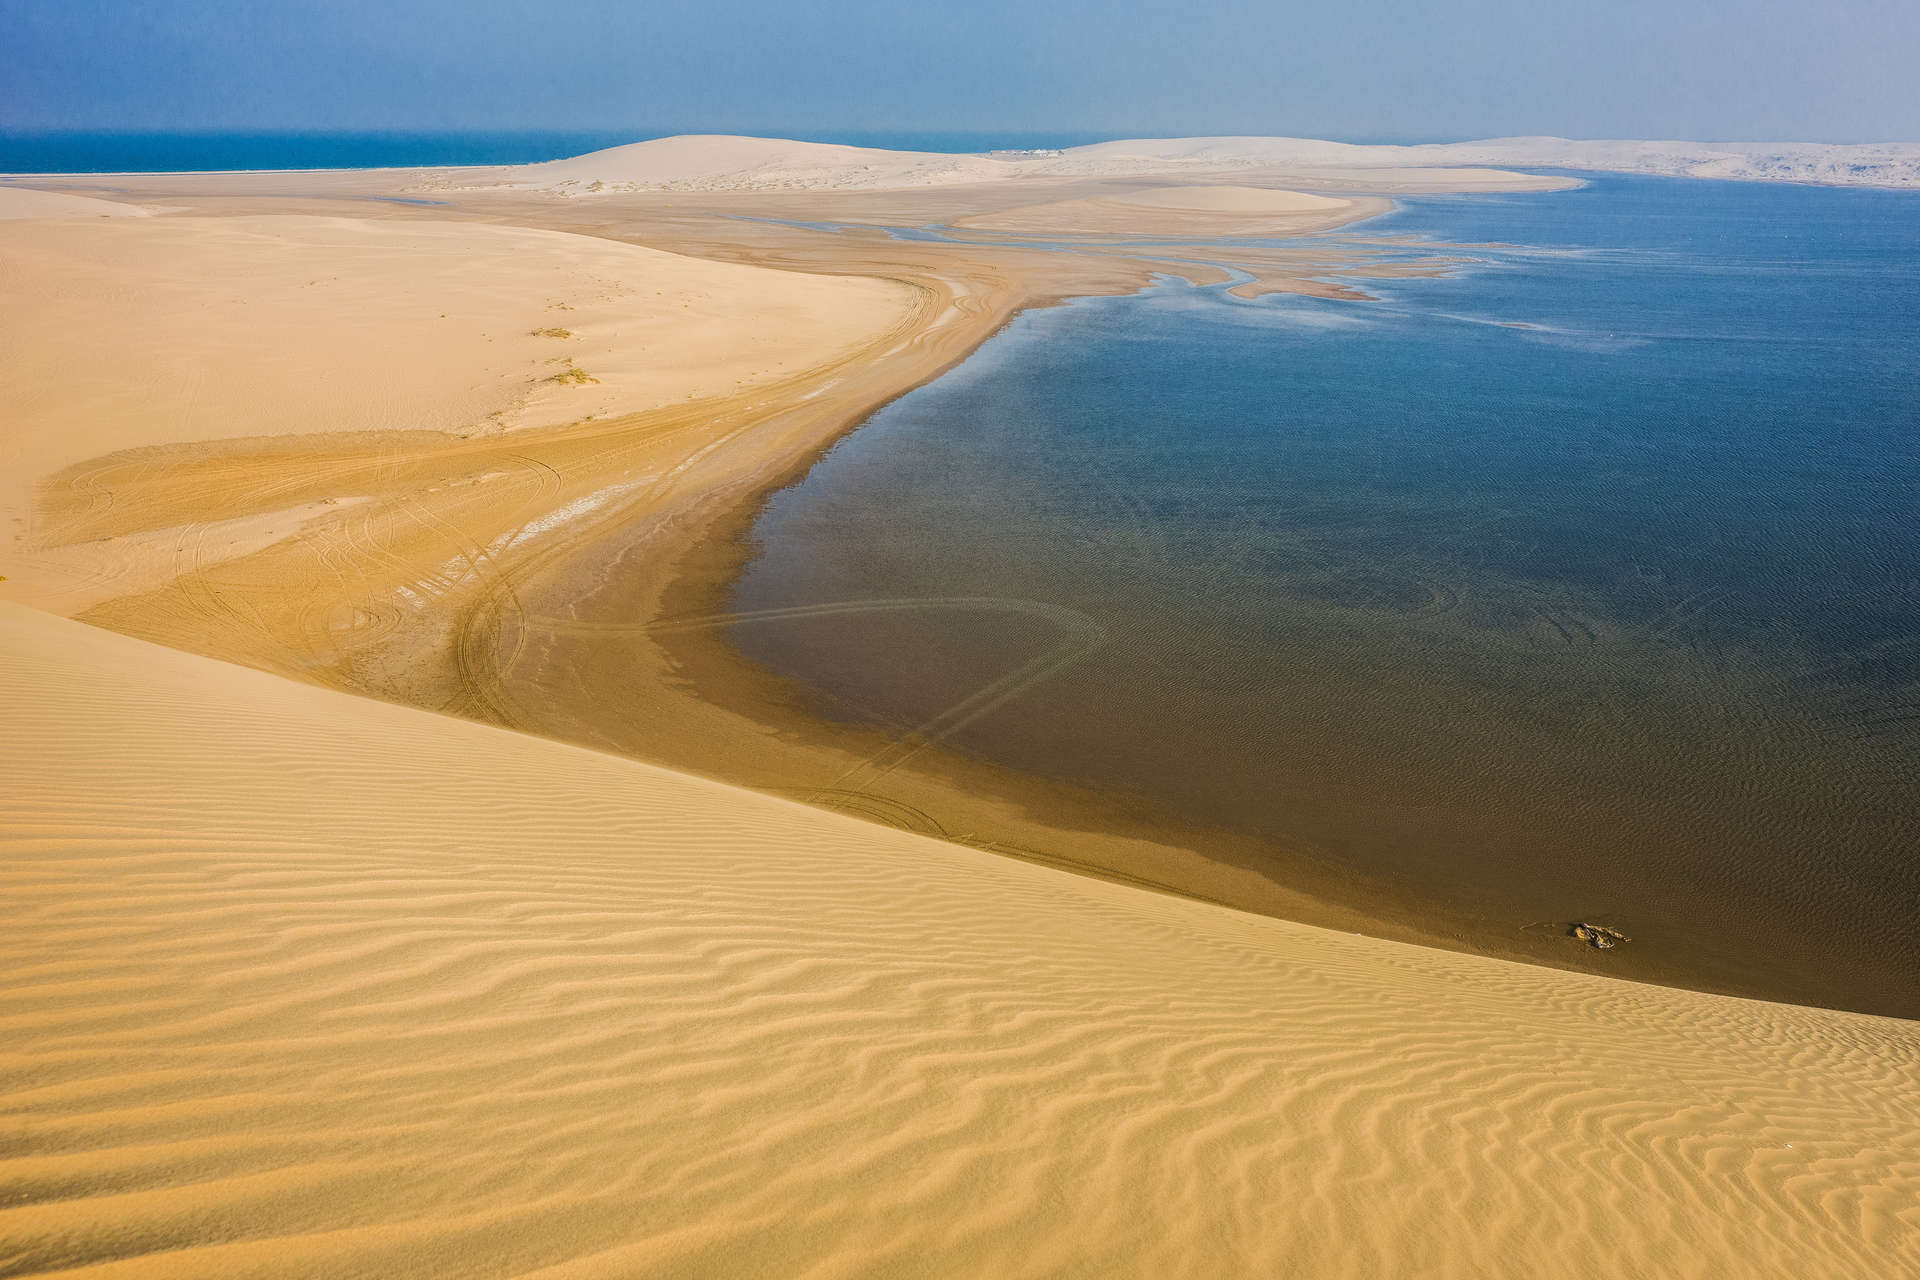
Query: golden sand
x=144, y=332
x=306, y=985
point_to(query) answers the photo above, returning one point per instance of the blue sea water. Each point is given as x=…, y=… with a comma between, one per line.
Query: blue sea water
x=204, y=151
x=1582, y=584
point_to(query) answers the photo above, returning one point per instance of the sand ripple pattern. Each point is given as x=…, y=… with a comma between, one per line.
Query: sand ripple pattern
x=300, y=985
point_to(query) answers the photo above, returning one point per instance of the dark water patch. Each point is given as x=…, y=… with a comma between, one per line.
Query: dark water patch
x=1581, y=586
x=127, y=151
x=184, y=151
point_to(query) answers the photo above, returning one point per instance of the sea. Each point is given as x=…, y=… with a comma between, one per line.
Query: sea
x=1580, y=585
x=121, y=151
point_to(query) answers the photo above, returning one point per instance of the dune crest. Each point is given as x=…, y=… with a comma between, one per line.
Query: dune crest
x=723, y=162
x=728, y=163
x=323, y=986
x=21, y=203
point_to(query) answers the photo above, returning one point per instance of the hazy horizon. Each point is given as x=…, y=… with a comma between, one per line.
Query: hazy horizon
x=1785, y=70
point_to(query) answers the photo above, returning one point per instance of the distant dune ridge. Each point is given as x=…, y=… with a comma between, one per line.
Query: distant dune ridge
x=1870, y=164
x=727, y=163
x=720, y=162
x=18, y=203
x=304, y=985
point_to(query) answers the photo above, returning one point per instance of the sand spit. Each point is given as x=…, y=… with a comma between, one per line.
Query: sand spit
x=1198, y=212
x=721, y=163
x=300, y=984
x=727, y=163
x=1871, y=164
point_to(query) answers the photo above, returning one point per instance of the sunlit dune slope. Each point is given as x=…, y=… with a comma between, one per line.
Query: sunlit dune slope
x=20, y=203
x=302, y=985
x=726, y=162
x=130, y=333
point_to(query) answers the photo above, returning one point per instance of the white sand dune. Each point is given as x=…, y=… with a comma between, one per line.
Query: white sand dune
x=24, y=202
x=723, y=162
x=1886, y=164
x=727, y=163
x=1870, y=164
x=302, y=985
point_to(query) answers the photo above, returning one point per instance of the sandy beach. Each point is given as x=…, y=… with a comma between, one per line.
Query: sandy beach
x=323, y=983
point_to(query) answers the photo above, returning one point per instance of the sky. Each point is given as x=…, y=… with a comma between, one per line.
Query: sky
x=1761, y=70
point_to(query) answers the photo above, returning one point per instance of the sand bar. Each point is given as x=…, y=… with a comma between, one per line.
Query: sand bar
x=534, y=572
x=1199, y=212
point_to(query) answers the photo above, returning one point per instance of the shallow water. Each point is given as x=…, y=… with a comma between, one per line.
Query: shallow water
x=1582, y=585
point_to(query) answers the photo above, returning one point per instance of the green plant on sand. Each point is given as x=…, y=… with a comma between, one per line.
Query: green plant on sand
x=573, y=375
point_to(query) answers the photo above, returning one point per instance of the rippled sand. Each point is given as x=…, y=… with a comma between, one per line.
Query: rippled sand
x=300, y=984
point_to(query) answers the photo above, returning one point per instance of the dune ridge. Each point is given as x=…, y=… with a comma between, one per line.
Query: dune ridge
x=724, y=162
x=728, y=163
x=169, y=331
x=323, y=986
x=1890, y=164
x=23, y=203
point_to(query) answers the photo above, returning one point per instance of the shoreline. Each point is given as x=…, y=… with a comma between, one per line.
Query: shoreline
x=687, y=699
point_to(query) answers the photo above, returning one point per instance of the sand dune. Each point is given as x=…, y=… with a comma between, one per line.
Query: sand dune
x=726, y=163
x=302, y=985
x=24, y=202
x=127, y=334
x=721, y=162
x=1873, y=164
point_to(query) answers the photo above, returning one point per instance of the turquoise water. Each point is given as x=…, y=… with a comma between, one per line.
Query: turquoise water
x=174, y=152
x=1583, y=584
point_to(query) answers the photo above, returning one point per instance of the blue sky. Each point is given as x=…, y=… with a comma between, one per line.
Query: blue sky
x=1710, y=69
